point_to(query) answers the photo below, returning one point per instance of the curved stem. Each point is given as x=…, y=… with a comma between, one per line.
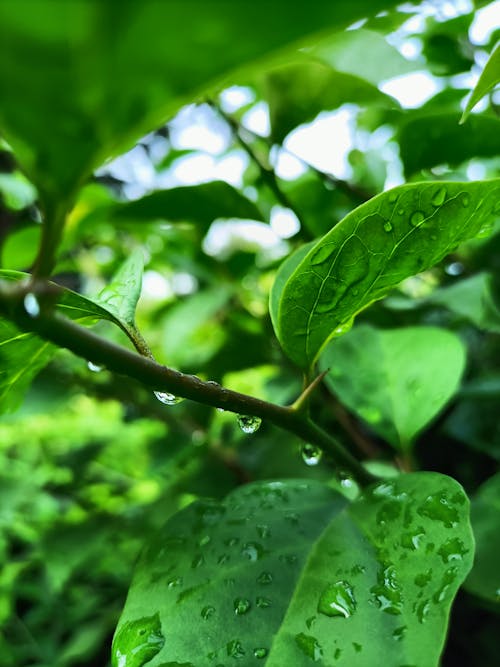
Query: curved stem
x=52, y=326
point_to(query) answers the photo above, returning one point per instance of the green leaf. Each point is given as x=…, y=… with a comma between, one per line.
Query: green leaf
x=200, y=204
x=286, y=571
x=285, y=271
x=121, y=295
x=435, y=139
x=471, y=298
x=381, y=579
x=393, y=236
x=300, y=91
x=395, y=380
x=484, y=578
x=22, y=356
x=105, y=77
x=489, y=78
x=347, y=52
x=219, y=575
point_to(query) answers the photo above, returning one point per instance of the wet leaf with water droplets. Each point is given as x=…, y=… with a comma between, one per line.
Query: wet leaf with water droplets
x=357, y=262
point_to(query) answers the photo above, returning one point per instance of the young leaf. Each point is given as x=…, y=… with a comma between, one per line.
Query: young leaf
x=389, y=238
x=225, y=581
x=489, y=78
x=121, y=295
x=395, y=380
x=484, y=578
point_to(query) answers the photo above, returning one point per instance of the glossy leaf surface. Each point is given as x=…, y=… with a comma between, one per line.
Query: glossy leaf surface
x=287, y=573
x=396, y=380
x=490, y=77
x=393, y=236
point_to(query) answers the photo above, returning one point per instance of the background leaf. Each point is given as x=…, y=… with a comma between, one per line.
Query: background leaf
x=200, y=204
x=436, y=139
x=396, y=380
x=393, y=236
x=106, y=77
x=484, y=578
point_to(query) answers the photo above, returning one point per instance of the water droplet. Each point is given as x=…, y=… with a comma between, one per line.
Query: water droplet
x=263, y=531
x=262, y=602
x=207, y=612
x=485, y=230
x=289, y=559
x=417, y=218
x=422, y=610
x=343, y=328
x=322, y=254
x=241, y=606
x=166, y=398
x=421, y=580
x=310, y=622
x=234, y=649
x=197, y=561
x=173, y=583
x=387, y=226
x=357, y=647
x=31, y=305
x=260, y=652
x=370, y=414
x=448, y=578
x=439, y=196
x=399, y=633
x=309, y=646
x=387, y=592
x=253, y=551
x=439, y=508
x=393, y=196
x=383, y=490
x=412, y=540
x=453, y=549
x=337, y=600
x=454, y=269
x=203, y=541
x=137, y=642
x=265, y=578
x=249, y=424
x=222, y=559
x=465, y=199
x=311, y=454
x=95, y=368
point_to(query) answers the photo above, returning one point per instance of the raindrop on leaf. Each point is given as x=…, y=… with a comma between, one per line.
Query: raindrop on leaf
x=337, y=600
x=95, y=368
x=439, y=196
x=241, y=606
x=417, y=218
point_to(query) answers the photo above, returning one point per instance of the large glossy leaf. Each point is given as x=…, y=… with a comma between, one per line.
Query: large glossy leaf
x=200, y=204
x=106, y=74
x=300, y=91
x=484, y=578
x=394, y=235
x=435, y=139
x=285, y=573
x=490, y=77
x=396, y=380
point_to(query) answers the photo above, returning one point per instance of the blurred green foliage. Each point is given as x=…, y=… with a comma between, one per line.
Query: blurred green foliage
x=92, y=465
